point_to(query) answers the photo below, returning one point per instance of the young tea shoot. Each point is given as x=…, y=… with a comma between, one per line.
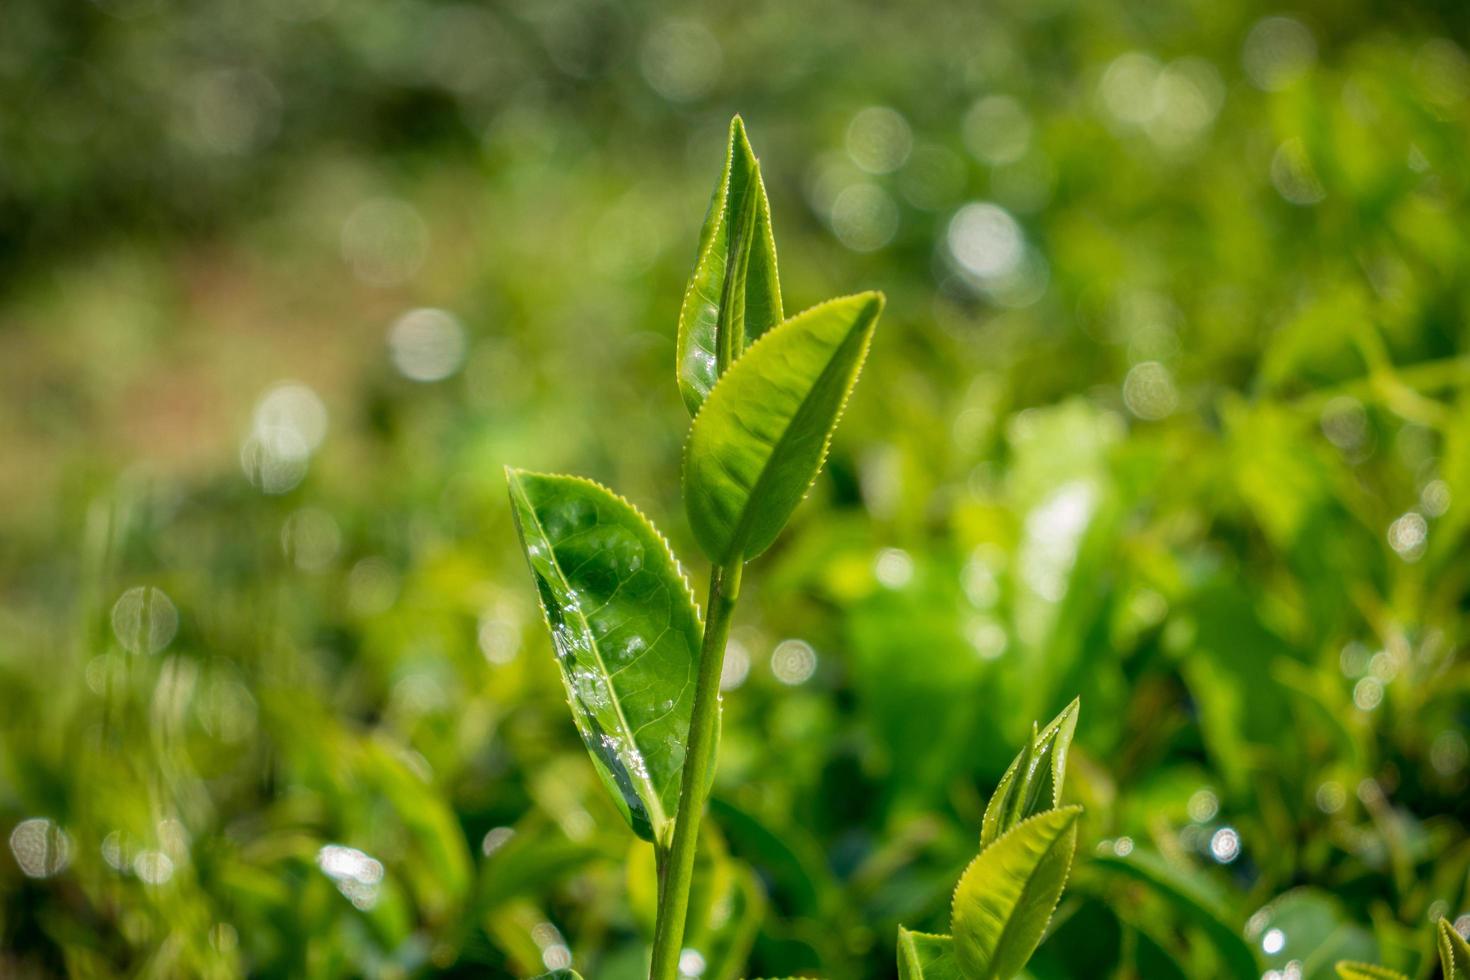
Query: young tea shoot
x=640, y=663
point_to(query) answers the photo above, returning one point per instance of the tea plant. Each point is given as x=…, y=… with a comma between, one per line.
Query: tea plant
x=1006, y=896
x=642, y=664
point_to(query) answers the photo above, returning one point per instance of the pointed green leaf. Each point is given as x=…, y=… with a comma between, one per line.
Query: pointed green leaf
x=560, y=975
x=1348, y=970
x=734, y=295
x=762, y=436
x=1007, y=895
x=1454, y=952
x=626, y=632
x=1033, y=782
x=925, y=957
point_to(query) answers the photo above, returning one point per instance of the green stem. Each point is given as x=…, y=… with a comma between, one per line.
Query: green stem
x=699, y=763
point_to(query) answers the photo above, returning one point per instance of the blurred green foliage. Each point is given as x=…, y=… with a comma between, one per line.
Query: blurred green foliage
x=1169, y=411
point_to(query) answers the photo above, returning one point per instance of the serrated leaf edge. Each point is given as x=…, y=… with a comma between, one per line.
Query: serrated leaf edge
x=653, y=528
x=1068, y=715
x=862, y=359
x=657, y=818
x=719, y=204
x=1452, y=945
x=906, y=933
x=1076, y=812
x=1349, y=969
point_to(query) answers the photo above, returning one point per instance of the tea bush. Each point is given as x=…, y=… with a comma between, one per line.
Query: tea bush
x=1166, y=411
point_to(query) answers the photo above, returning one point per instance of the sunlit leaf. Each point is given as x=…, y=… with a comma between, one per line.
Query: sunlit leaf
x=762, y=435
x=734, y=295
x=1033, y=782
x=922, y=956
x=561, y=975
x=626, y=632
x=1348, y=970
x=1454, y=952
x=1007, y=895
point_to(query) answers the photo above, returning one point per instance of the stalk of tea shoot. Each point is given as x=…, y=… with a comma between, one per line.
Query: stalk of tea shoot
x=678, y=866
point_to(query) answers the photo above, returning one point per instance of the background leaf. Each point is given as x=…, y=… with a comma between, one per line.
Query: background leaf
x=734, y=295
x=1192, y=897
x=626, y=633
x=760, y=439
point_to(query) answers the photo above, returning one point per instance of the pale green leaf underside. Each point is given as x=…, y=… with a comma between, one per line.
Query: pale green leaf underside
x=1007, y=895
x=1348, y=970
x=762, y=435
x=1454, y=952
x=734, y=295
x=925, y=957
x=1033, y=782
x=626, y=632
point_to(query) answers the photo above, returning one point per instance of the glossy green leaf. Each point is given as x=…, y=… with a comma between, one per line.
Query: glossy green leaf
x=734, y=295
x=1007, y=895
x=1454, y=952
x=560, y=975
x=1033, y=782
x=1349, y=970
x=1192, y=896
x=922, y=956
x=762, y=436
x=626, y=632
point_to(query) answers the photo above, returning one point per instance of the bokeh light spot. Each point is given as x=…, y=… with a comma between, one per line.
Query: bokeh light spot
x=426, y=344
x=144, y=620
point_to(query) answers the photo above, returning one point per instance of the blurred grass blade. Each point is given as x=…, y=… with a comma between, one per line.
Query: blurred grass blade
x=734, y=295
x=735, y=925
x=1454, y=952
x=1192, y=897
x=1033, y=781
x=1348, y=970
x=626, y=632
x=762, y=436
x=1007, y=895
x=925, y=957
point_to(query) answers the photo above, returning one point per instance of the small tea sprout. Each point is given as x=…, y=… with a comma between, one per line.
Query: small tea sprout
x=1454, y=959
x=1006, y=897
x=640, y=663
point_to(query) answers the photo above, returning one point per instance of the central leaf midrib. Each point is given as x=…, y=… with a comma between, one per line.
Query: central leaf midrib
x=737, y=233
x=742, y=526
x=656, y=814
x=1005, y=930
